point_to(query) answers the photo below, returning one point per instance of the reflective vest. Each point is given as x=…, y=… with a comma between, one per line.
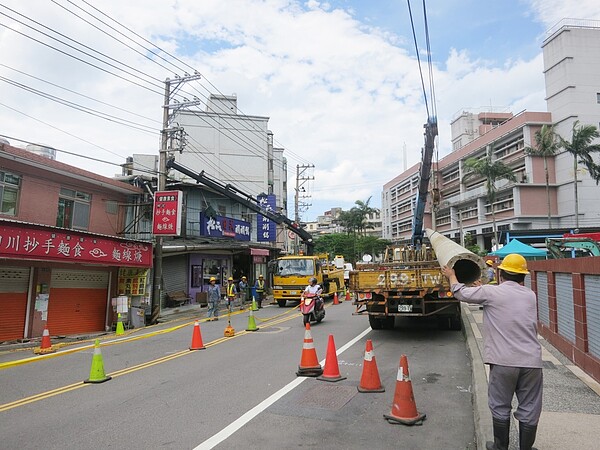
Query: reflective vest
x=260, y=285
x=231, y=290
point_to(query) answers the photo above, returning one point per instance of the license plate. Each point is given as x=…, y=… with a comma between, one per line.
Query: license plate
x=293, y=292
x=404, y=308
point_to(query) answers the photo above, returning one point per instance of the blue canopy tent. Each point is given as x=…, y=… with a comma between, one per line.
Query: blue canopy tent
x=516, y=246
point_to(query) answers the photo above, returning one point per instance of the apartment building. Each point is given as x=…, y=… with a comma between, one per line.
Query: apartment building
x=458, y=206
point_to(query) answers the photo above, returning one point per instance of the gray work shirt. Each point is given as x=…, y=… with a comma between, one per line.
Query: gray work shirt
x=509, y=323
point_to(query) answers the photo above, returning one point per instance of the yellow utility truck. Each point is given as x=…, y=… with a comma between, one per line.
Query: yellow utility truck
x=407, y=283
x=291, y=274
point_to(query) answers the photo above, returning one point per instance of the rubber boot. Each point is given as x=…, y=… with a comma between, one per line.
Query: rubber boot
x=501, y=435
x=527, y=436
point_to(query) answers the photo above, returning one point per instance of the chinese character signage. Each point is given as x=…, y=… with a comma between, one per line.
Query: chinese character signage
x=266, y=228
x=32, y=242
x=132, y=281
x=219, y=226
x=167, y=213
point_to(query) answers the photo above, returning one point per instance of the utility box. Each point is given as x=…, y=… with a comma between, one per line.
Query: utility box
x=137, y=317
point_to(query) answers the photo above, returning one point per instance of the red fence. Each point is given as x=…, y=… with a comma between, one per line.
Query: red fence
x=568, y=293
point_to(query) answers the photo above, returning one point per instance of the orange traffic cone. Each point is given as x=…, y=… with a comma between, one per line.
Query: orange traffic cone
x=369, y=380
x=309, y=363
x=332, y=369
x=404, y=409
x=336, y=301
x=347, y=295
x=197, y=338
x=46, y=345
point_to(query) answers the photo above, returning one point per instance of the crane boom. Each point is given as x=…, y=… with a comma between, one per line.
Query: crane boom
x=431, y=131
x=244, y=199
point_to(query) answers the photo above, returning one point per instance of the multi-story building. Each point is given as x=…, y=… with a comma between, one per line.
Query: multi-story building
x=460, y=206
x=327, y=223
x=63, y=257
x=236, y=151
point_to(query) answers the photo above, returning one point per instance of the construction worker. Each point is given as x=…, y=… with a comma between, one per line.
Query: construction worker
x=214, y=296
x=490, y=272
x=510, y=347
x=259, y=286
x=243, y=288
x=231, y=293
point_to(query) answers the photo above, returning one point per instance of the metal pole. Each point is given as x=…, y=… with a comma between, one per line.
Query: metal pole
x=162, y=182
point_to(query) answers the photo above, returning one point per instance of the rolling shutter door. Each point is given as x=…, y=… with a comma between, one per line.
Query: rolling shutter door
x=77, y=301
x=14, y=283
x=175, y=269
x=564, y=306
x=592, y=304
x=542, y=297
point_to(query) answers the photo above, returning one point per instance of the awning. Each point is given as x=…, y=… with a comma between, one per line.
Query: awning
x=259, y=252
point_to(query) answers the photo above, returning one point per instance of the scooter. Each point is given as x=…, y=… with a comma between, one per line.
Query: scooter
x=312, y=308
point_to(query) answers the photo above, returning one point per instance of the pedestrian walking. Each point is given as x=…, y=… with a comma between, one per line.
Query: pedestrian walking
x=214, y=296
x=511, y=348
x=231, y=293
x=260, y=290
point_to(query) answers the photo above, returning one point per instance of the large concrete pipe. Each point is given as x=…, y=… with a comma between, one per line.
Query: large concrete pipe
x=466, y=264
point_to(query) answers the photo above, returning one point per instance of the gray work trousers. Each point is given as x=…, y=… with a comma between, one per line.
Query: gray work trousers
x=527, y=383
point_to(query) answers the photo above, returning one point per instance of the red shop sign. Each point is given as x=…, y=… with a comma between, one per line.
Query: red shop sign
x=167, y=213
x=30, y=242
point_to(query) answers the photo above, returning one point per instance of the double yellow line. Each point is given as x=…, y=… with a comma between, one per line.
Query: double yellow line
x=71, y=387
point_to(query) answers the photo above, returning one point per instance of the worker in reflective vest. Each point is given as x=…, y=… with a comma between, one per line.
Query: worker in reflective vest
x=260, y=290
x=231, y=293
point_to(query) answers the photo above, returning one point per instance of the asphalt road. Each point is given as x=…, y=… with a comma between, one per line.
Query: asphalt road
x=242, y=392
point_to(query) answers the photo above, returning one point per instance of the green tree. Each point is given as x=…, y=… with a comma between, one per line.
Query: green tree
x=349, y=246
x=546, y=146
x=581, y=148
x=490, y=171
x=362, y=211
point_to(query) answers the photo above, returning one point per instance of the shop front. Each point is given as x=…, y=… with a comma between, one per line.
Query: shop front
x=65, y=280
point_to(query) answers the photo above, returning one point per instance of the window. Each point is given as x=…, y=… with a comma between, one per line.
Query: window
x=73, y=209
x=9, y=193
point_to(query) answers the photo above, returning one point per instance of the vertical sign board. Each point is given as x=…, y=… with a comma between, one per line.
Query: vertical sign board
x=266, y=228
x=167, y=213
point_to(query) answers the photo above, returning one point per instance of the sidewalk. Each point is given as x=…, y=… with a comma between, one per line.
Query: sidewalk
x=571, y=406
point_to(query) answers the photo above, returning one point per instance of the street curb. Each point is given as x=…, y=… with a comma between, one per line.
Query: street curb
x=481, y=413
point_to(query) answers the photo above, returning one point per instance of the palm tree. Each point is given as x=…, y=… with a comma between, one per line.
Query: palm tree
x=362, y=211
x=546, y=146
x=491, y=171
x=581, y=148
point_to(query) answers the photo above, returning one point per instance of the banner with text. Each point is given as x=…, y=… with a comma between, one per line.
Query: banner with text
x=167, y=213
x=267, y=229
x=219, y=226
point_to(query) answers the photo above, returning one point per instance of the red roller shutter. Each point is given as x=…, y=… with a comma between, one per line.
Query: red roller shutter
x=14, y=282
x=78, y=301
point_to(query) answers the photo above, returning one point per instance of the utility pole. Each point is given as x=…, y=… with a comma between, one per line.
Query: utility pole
x=167, y=134
x=301, y=178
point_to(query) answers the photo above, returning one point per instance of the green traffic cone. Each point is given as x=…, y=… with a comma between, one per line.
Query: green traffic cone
x=97, y=374
x=120, y=330
x=254, y=305
x=251, y=322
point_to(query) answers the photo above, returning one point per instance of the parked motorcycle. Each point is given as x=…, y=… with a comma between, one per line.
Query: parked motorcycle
x=312, y=308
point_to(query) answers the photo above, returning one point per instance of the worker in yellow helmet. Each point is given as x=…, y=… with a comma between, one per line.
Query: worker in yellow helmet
x=214, y=296
x=511, y=348
x=259, y=286
x=232, y=292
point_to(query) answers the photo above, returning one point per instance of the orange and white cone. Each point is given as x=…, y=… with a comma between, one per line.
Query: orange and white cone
x=309, y=363
x=46, y=345
x=369, y=380
x=197, y=338
x=404, y=409
x=347, y=295
x=332, y=369
x=336, y=300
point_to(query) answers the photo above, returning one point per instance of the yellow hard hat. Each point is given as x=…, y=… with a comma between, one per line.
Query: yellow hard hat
x=489, y=262
x=230, y=279
x=260, y=276
x=514, y=263
x=244, y=277
x=212, y=279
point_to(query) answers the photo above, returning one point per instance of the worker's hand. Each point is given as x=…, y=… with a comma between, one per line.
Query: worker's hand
x=477, y=283
x=448, y=272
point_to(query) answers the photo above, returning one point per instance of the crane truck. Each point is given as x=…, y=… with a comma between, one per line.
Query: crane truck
x=290, y=274
x=409, y=281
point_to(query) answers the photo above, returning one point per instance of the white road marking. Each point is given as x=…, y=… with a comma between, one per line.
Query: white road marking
x=251, y=414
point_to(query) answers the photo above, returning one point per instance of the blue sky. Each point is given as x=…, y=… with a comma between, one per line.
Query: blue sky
x=338, y=80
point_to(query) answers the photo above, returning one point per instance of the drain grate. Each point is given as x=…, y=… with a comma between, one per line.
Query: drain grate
x=327, y=396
